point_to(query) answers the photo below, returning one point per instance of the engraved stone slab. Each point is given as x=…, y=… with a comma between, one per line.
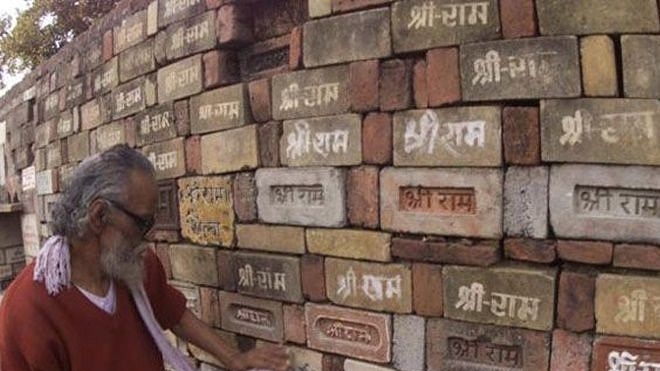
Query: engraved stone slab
x=250, y=316
x=508, y=296
x=65, y=124
x=109, y=135
x=268, y=276
x=75, y=92
x=156, y=124
x=621, y=131
x=180, y=79
x=322, y=141
x=137, y=60
x=634, y=353
x=194, y=264
x=318, y=92
x=51, y=106
x=596, y=16
x=30, y=230
x=220, y=109
x=129, y=98
x=167, y=157
x=167, y=210
x=191, y=36
x=442, y=201
x=460, y=136
x=543, y=67
x=641, y=71
x=132, y=31
x=625, y=305
x=265, y=58
x=170, y=11
x=373, y=286
x=206, y=210
x=454, y=345
x=230, y=150
x=354, y=333
x=345, y=38
x=423, y=24
x=619, y=203
x=106, y=77
x=310, y=196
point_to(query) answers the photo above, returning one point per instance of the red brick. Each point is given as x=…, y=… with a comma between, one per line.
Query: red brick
x=193, y=151
x=570, y=351
x=521, y=137
x=210, y=307
x=260, y=100
x=427, y=284
x=234, y=26
x=269, y=143
x=225, y=262
x=420, y=89
x=106, y=51
x=182, y=117
x=395, y=85
x=245, y=197
x=295, y=48
x=313, y=277
x=294, y=323
x=362, y=203
x=637, y=256
x=443, y=80
x=589, y=252
x=377, y=139
x=465, y=252
x=526, y=249
x=646, y=350
x=331, y=362
x=517, y=18
x=575, y=301
x=348, y=5
x=220, y=68
x=163, y=253
x=364, y=85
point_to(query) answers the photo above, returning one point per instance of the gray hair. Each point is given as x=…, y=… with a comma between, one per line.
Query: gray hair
x=103, y=175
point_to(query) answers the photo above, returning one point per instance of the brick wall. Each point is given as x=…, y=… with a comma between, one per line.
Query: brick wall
x=416, y=185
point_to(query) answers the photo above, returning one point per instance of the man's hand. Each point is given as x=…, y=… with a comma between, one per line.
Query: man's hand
x=271, y=357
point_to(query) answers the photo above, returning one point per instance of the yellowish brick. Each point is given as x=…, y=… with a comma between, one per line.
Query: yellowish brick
x=598, y=66
x=271, y=238
x=319, y=8
x=353, y=244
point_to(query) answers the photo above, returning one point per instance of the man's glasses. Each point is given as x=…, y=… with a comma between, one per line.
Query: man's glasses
x=143, y=224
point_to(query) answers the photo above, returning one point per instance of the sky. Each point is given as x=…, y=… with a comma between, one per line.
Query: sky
x=9, y=7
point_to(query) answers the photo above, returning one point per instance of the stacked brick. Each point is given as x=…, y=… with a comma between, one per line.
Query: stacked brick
x=412, y=185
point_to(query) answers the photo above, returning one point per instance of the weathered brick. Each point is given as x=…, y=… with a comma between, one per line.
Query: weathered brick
x=167, y=157
x=269, y=135
x=640, y=69
x=268, y=276
x=245, y=197
x=312, y=271
x=408, y=343
x=521, y=135
x=526, y=202
x=575, y=301
x=518, y=18
x=465, y=252
x=266, y=58
x=377, y=138
x=347, y=38
x=190, y=36
x=45, y=182
x=354, y=244
x=206, y=210
x=526, y=249
x=611, y=351
x=395, y=85
x=136, y=61
x=294, y=323
x=182, y=117
x=170, y=12
x=234, y=25
x=193, y=155
x=78, y=146
x=259, y=91
x=194, y=264
x=599, y=76
x=364, y=85
x=570, y=351
x=249, y=316
x=427, y=283
x=333, y=362
x=589, y=252
x=283, y=239
x=131, y=31
x=362, y=206
x=637, y=256
x=226, y=278
x=443, y=80
x=319, y=8
x=295, y=48
x=230, y=150
x=155, y=124
x=180, y=79
x=420, y=86
x=107, y=46
x=220, y=109
x=220, y=68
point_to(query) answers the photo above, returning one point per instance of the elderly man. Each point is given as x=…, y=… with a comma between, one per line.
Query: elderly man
x=96, y=298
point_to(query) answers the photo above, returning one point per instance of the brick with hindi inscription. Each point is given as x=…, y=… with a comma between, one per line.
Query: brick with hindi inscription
x=459, y=136
x=75, y=92
x=170, y=11
x=274, y=238
x=322, y=141
x=77, y=146
x=219, y=109
x=132, y=31
x=265, y=58
x=91, y=114
x=167, y=210
x=51, y=106
x=106, y=77
x=354, y=333
x=373, y=286
x=442, y=201
x=230, y=150
x=108, y=135
x=597, y=16
x=137, y=61
x=317, y=92
x=156, y=124
x=625, y=305
x=268, y=276
x=346, y=38
x=206, y=210
x=615, y=203
x=612, y=352
x=619, y=131
x=30, y=233
x=194, y=264
x=167, y=158
x=92, y=56
x=65, y=124
x=454, y=345
x=258, y=318
x=191, y=36
x=544, y=67
x=129, y=98
x=309, y=196
x=28, y=178
x=507, y=296
x=426, y=24
x=180, y=79
x=641, y=72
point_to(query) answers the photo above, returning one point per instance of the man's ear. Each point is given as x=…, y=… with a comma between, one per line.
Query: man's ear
x=98, y=215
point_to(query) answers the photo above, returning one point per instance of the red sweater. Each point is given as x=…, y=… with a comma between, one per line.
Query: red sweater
x=39, y=332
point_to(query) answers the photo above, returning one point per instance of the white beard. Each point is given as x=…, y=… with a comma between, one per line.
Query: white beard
x=124, y=261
